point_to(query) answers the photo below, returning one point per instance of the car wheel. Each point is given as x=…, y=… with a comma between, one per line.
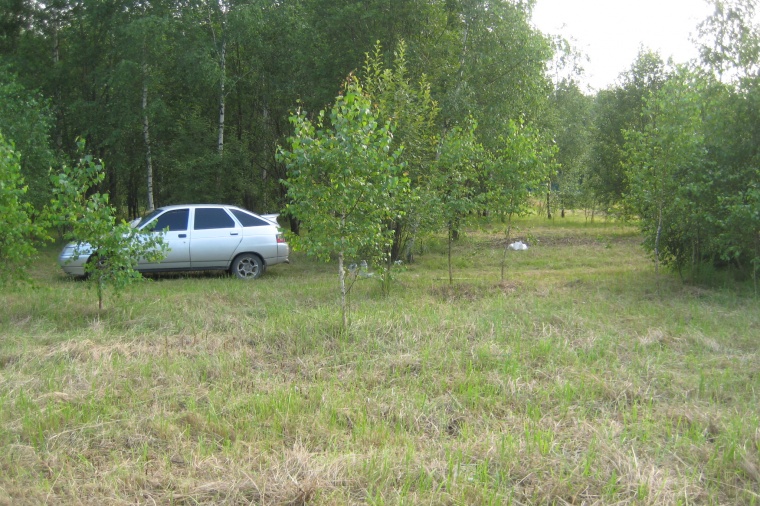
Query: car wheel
x=247, y=266
x=99, y=262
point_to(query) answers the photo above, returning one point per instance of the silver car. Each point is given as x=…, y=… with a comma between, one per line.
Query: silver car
x=203, y=237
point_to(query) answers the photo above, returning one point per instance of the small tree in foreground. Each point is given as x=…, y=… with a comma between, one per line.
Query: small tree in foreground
x=456, y=182
x=18, y=231
x=90, y=220
x=516, y=170
x=343, y=179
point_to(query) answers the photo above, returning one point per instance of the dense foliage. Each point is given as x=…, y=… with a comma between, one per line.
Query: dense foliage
x=25, y=121
x=515, y=173
x=188, y=102
x=198, y=94
x=19, y=232
x=692, y=160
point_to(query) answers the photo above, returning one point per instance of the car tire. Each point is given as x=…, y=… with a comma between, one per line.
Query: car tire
x=247, y=266
x=94, y=259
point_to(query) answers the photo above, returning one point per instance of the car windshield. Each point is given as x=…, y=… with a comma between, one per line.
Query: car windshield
x=147, y=218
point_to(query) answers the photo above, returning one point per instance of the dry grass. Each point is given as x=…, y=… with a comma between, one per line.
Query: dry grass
x=572, y=381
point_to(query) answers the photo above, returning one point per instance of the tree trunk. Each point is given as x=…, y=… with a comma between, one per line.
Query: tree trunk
x=409, y=254
x=343, y=304
x=397, y=243
x=146, y=138
x=100, y=292
x=451, y=240
x=58, y=100
x=222, y=47
x=222, y=72
x=657, y=247
x=506, y=246
x=756, y=261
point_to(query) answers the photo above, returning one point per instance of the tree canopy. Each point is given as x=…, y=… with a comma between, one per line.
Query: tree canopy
x=190, y=99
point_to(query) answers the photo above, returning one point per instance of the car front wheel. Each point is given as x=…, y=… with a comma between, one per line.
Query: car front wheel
x=247, y=266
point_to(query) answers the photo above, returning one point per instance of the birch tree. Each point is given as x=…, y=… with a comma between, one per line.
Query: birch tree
x=516, y=171
x=343, y=174
x=456, y=181
x=661, y=159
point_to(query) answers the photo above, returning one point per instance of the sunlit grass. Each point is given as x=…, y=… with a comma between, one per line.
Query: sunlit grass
x=573, y=380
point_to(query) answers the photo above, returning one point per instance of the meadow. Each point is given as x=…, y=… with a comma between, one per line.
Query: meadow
x=580, y=378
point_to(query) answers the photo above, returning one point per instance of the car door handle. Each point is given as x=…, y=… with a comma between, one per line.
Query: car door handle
x=233, y=233
x=182, y=236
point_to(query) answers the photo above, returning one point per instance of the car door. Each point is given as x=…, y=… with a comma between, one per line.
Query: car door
x=215, y=237
x=173, y=225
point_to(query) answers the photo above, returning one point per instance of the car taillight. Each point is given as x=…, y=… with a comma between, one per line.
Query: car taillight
x=280, y=239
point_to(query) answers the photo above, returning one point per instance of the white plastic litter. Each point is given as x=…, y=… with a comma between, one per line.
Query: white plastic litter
x=361, y=270
x=518, y=246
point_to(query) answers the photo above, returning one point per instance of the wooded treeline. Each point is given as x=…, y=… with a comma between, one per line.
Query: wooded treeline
x=201, y=91
x=187, y=100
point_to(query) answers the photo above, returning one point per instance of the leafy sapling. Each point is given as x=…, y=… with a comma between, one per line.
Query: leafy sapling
x=343, y=176
x=89, y=220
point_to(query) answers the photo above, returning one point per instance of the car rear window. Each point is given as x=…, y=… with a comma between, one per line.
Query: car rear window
x=212, y=217
x=249, y=220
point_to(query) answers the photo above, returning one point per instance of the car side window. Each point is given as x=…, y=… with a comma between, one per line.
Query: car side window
x=212, y=217
x=249, y=220
x=175, y=220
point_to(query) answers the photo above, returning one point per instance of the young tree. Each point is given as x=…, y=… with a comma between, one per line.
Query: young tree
x=456, y=182
x=571, y=128
x=18, y=230
x=516, y=171
x=114, y=247
x=662, y=159
x=414, y=114
x=342, y=176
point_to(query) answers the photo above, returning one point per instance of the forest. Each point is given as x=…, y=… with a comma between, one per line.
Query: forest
x=205, y=100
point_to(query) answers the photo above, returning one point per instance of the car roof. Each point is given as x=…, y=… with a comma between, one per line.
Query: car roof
x=220, y=206
x=196, y=206
x=179, y=206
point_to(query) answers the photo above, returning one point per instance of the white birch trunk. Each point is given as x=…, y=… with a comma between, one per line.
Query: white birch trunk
x=222, y=76
x=58, y=108
x=342, y=277
x=146, y=138
x=657, y=247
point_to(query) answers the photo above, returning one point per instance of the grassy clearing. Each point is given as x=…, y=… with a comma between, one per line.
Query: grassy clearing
x=573, y=381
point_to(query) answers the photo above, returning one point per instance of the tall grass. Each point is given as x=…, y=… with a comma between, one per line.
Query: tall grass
x=572, y=381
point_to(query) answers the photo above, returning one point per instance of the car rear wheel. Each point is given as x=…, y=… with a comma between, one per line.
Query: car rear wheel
x=98, y=261
x=247, y=266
